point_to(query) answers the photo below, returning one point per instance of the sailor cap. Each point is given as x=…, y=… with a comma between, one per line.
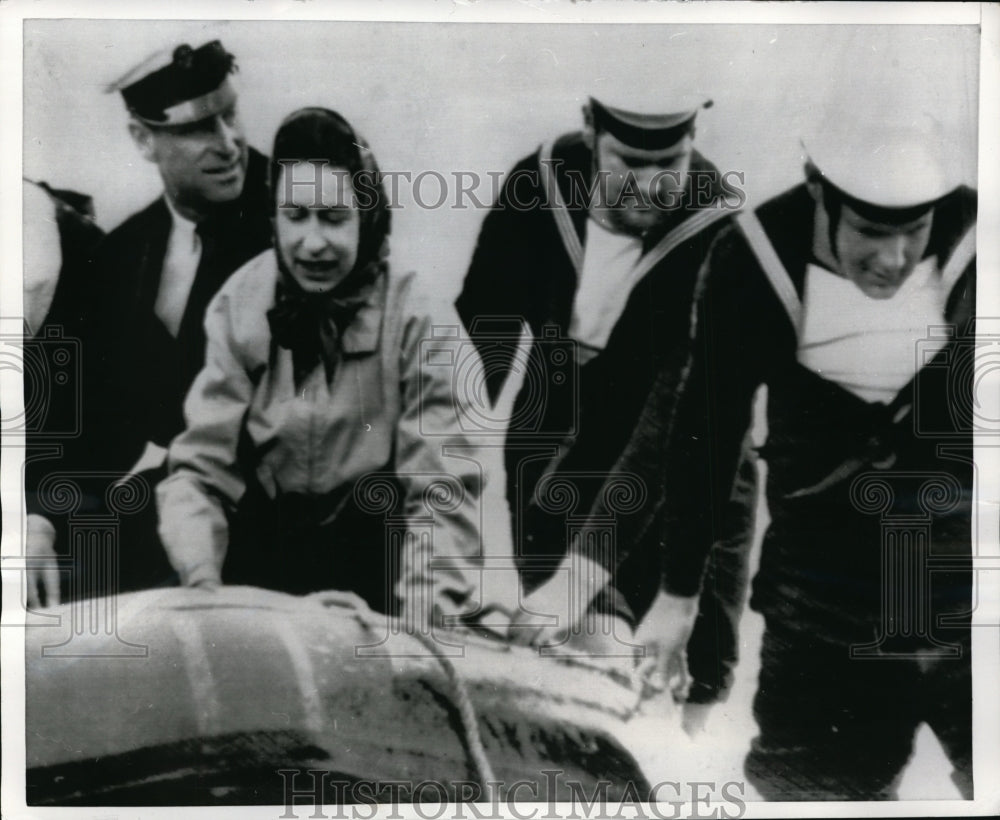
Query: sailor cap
x=639, y=124
x=180, y=85
x=891, y=165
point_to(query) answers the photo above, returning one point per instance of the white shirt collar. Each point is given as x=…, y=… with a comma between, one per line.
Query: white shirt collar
x=183, y=228
x=180, y=264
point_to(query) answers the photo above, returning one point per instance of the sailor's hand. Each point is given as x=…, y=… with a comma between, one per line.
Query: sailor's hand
x=664, y=634
x=43, y=568
x=695, y=716
x=550, y=602
x=550, y=614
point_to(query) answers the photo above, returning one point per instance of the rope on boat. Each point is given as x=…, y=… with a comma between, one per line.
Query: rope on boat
x=467, y=715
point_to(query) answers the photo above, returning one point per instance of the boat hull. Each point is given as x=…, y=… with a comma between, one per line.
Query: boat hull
x=242, y=696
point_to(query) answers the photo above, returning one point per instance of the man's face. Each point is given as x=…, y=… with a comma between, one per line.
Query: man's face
x=878, y=257
x=201, y=163
x=317, y=225
x=639, y=187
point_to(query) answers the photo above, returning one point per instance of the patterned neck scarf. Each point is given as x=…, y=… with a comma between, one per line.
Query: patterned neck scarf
x=311, y=324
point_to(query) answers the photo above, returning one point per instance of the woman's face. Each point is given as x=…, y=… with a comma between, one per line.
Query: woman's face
x=317, y=224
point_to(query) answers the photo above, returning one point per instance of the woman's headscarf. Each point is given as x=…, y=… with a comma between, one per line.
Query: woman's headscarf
x=311, y=324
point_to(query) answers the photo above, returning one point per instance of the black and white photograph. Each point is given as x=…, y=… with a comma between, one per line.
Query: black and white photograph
x=543, y=409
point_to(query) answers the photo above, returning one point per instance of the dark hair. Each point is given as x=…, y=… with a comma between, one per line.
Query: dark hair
x=321, y=135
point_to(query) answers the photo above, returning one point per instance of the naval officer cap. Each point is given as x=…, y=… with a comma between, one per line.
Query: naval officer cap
x=891, y=168
x=648, y=121
x=180, y=85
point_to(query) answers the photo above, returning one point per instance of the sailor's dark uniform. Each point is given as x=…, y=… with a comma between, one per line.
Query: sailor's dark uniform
x=578, y=408
x=864, y=582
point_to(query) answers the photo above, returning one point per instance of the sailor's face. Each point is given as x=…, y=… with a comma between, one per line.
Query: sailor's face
x=202, y=162
x=317, y=224
x=638, y=187
x=878, y=257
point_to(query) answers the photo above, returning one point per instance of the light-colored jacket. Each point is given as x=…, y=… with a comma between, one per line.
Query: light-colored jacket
x=391, y=408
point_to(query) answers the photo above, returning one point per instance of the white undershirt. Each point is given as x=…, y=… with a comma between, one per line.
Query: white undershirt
x=871, y=347
x=179, y=267
x=608, y=275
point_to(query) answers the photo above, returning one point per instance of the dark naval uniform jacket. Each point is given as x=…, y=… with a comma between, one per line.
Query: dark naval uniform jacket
x=865, y=571
x=143, y=370
x=849, y=481
x=575, y=414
